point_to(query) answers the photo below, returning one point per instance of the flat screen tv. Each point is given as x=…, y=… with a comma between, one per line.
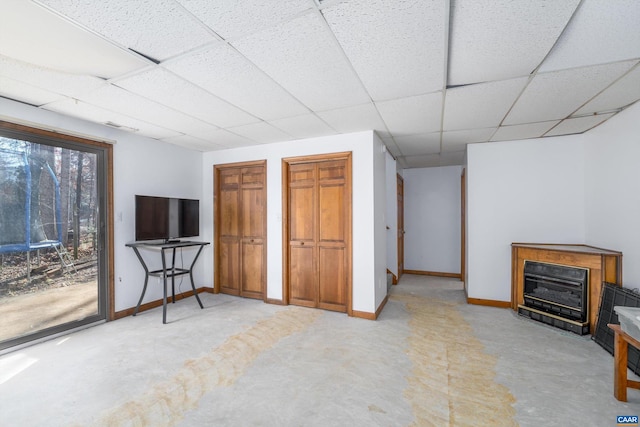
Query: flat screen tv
x=166, y=218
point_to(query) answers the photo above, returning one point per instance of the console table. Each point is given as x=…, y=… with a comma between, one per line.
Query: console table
x=167, y=271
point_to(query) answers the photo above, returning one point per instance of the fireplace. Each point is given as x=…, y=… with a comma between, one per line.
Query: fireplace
x=557, y=295
x=599, y=265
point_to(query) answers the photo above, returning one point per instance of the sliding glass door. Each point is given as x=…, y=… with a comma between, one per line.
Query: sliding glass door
x=53, y=262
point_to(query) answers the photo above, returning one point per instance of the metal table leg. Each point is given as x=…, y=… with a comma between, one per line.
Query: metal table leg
x=146, y=279
x=164, y=281
x=193, y=286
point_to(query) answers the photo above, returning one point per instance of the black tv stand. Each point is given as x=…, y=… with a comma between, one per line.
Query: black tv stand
x=172, y=241
x=167, y=271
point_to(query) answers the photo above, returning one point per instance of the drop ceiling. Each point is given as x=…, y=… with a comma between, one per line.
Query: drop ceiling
x=429, y=77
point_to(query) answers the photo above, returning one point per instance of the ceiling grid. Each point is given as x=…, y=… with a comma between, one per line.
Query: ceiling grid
x=429, y=77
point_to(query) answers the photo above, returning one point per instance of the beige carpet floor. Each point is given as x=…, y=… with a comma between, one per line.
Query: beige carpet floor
x=430, y=360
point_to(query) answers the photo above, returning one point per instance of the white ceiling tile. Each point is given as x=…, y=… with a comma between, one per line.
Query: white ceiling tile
x=166, y=88
x=262, y=133
x=622, y=93
x=54, y=81
x=232, y=19
x=193, y=143
x=454, y=158
x=457, y=140
x=480, y=105
x=412, y=115
x=424, y=161
x=229, y=139
x=556, y=95
x=300, y=127
x=158, y=29
x=116, y=99
x=303, y=57
x=578, y=124
x=526, y=131
x=354, y=119
x=33, y=34
x=23, y=92
x=415, y=145
x=501, y=39
x=99, y=115
x=225, y=73
x=601, y=31
x=397, y=48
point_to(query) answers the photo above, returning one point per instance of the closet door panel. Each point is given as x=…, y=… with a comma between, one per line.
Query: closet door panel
x=253, y=212
x=252, y=272
x=229, y=266
x=332, y=286
x=332, y=225
x=302, y=276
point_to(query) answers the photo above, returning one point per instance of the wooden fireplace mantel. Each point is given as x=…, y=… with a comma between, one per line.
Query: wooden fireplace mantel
x=604, y=266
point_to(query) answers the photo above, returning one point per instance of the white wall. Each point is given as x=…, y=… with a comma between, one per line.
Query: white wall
x=365, y=257
x=613, y=189
x=392, y=213
x=380, y=221
x=140, y=166
x=520, y=191
x=432, y=219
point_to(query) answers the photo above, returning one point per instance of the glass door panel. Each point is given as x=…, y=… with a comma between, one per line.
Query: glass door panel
x=50, y=239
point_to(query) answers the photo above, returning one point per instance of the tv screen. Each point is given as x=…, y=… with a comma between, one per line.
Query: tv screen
x=166, y=218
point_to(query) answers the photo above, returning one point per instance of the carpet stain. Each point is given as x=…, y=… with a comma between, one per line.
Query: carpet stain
x=452, y=382
x=166, y=402
x=376, y=408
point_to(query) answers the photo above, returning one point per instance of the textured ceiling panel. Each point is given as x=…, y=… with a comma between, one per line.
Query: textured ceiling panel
x=413, y=115
x=50, y=80
x=224, y=72
x=414, y=145
x=354, y=119
x=261, y=132
x=116, y=99
x=501, y=39
x=458, y=139
x=23, y=92
x=397, y=47
x=231, y=19
x=193, y=143
x=307, y=126
x=482, y=105
x=622, y=93
x=31, y=33
x=601, y=31
x=423, y=161
x=556, y=95
x=158, y=29
x=578, y=124
x=452, y=158
x=529, y=130
x=302, y=56
x=95, y=114
x=230, y=140
x=166, y=88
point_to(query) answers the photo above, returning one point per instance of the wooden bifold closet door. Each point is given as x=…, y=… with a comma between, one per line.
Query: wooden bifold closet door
x=318, y=231
x=240, y=227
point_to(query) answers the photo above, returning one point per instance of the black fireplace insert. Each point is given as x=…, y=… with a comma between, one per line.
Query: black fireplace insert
x=557, y=295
